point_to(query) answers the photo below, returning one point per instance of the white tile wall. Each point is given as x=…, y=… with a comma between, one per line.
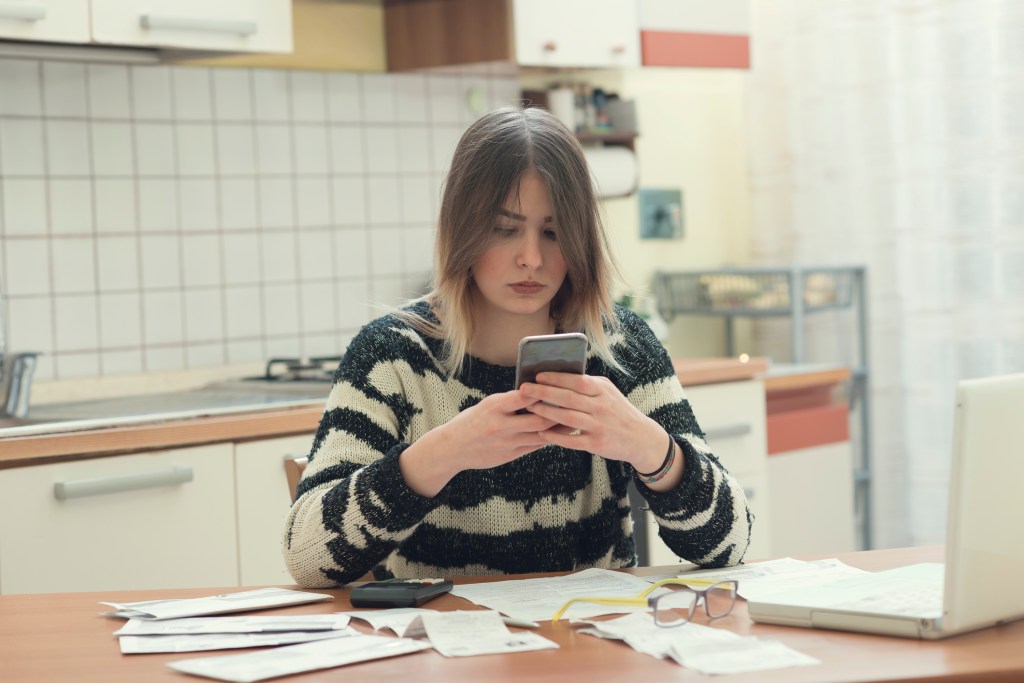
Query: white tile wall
x=161, y=218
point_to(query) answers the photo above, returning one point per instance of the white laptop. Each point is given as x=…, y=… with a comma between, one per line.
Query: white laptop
x=981, y=583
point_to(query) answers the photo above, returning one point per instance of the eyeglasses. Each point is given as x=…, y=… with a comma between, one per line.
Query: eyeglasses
x=678, y=606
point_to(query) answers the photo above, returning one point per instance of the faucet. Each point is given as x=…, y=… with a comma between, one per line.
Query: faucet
x=15, y=376
x=16, y=383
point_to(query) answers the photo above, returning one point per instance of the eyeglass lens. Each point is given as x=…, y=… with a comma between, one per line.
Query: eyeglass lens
x=680, y=605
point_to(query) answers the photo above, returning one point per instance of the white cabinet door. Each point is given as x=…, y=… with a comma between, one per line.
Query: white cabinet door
x=812, y=500
x=584, y=33
x=235, y=25
x=156, y=520
x=61, y=21
x=732, y=415
x=263, y=505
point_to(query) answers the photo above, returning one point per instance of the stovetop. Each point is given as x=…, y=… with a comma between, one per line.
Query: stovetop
x=299, y=369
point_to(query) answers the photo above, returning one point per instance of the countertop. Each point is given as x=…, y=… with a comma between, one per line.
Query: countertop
x=227, y=412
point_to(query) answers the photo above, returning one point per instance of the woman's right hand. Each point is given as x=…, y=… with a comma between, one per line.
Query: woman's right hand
x=486, y=435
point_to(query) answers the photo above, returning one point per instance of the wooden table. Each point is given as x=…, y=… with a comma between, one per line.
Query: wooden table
x=51, y=638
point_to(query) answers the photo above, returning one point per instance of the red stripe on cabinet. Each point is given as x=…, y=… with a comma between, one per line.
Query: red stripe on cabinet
x=679, y=48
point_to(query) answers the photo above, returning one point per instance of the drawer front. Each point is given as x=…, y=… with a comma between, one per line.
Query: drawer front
x=234, y=25
x=65, y=21
x=732, y=415
x=159, y=520
x=263, y=505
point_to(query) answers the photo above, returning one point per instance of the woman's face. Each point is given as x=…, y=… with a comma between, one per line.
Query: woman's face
x=523, y=268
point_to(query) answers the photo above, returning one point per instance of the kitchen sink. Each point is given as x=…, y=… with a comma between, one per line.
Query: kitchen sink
x=9, y=422
x=159, y=407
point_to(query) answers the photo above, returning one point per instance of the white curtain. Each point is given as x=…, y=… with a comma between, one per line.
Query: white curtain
x=890, y=133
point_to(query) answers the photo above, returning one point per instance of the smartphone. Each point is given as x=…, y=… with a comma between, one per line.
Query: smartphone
x=551, y=353
x=398, y=592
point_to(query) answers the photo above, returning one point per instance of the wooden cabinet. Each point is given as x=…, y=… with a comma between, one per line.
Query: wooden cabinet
x=60, y=21
x=732, y=415
x=263, y=505
x=230, y=25
x=534, y=33
x=155, y=520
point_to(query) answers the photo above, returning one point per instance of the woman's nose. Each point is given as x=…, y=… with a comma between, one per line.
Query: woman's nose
x=529, y=255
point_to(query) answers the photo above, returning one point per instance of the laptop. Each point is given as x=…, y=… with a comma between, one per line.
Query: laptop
x=981, y=582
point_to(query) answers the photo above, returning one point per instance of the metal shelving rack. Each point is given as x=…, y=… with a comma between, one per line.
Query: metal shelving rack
x=768, y=292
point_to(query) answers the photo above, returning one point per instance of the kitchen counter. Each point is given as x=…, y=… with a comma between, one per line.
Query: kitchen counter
x=227, y=411
x=692, y=371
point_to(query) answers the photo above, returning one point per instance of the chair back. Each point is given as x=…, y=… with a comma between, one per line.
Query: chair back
x=293, y=468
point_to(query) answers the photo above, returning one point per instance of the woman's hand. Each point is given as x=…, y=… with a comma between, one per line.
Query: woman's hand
x=486, y=435
x=591, y=414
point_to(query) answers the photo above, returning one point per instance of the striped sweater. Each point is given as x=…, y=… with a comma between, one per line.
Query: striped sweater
x=554, y=509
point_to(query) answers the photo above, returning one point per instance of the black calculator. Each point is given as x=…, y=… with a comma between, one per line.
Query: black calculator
x=398, y=592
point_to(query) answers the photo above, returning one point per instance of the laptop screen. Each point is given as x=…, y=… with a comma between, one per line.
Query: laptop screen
x=985, y=529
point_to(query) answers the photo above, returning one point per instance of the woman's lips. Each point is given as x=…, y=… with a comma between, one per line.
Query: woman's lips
x=526, y=287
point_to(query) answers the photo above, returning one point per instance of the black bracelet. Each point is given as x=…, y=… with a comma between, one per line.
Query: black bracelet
x=665, y=466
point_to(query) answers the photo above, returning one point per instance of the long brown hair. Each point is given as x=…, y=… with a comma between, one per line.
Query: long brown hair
x=491, y=158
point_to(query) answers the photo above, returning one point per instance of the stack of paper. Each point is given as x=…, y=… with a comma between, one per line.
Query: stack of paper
x=185, y=626
x=194, y=634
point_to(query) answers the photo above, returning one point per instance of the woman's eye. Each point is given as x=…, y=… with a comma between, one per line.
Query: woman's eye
x=504, y=231
x=551, y=235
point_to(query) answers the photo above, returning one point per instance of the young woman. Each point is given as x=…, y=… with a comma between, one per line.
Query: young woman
x=429, y=463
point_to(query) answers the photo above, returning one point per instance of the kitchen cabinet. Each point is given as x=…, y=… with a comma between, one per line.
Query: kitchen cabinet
x=810, y=460
x=812, y=500
x=59, y=21
x=203, y=516
x=263, y=505
x=732, y=415
x=695, y=33
x=229, y=25
x=155, y=520
x=328, y=36
x=530, y=33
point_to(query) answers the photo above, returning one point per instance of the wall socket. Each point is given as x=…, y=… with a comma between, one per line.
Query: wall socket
x=661, y=213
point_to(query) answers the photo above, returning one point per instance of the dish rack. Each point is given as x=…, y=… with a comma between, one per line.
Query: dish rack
x=794, y=292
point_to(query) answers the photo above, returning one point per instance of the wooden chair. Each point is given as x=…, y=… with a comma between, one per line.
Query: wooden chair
x=293, y=468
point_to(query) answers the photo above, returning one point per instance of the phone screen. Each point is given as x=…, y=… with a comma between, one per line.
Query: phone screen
x=551, y=353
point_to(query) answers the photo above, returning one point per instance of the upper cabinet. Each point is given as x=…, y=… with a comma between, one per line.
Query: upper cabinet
x=224, y=25
x=695, y=33
x=424, y=34
x=576, y=33
x=59, y=21
x=229, y=25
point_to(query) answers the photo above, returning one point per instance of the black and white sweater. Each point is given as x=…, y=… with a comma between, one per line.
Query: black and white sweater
x=551, y=510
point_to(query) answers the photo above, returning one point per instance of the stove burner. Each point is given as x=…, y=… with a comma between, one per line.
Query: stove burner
x=319, y=368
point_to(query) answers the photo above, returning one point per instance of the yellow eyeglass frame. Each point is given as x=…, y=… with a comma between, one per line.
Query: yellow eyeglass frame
x=641, y=599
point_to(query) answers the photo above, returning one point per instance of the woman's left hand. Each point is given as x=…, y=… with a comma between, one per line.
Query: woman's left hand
x=593, y=415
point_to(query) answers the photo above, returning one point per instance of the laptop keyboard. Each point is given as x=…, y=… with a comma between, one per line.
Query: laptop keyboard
x=924, y=600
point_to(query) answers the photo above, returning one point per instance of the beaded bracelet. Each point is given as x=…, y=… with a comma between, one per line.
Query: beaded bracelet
x=666, y=465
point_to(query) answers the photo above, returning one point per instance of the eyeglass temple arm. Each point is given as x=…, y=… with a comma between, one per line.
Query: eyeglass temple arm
x=637, y=601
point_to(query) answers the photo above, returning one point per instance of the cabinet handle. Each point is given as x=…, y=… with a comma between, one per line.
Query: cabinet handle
x=550, y=46
x=158, y=22
x=728, y=431
x=66, y=490
x=618, y=49
x=22, y=11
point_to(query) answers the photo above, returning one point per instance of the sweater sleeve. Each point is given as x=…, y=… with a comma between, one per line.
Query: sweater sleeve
x=705, y=519
x=353, y=507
